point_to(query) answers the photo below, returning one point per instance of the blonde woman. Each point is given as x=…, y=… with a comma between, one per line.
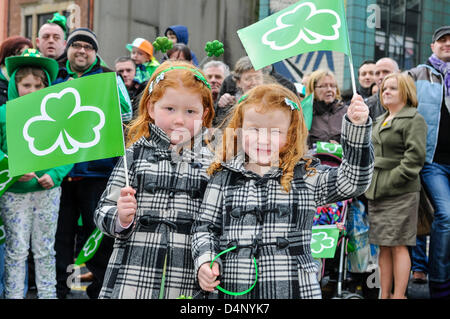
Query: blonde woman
x=399, y=140
x=328, y=108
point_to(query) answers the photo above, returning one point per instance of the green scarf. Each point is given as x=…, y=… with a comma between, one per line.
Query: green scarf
x=74, y=74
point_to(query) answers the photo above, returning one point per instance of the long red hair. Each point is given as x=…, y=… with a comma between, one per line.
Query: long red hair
x=267, y=97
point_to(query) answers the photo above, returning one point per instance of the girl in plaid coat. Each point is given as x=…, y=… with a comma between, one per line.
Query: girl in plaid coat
x=167, y=159
x=263, y=193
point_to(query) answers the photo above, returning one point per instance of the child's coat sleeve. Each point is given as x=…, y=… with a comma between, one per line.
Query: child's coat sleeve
x=207, y=226
x=354, y=175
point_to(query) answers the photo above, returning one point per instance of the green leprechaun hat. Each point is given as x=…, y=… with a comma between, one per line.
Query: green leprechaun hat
x=32, y=57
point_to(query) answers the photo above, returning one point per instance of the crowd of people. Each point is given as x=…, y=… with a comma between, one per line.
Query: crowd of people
x=253, y=192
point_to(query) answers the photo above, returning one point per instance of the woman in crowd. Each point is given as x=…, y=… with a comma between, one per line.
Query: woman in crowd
x=10, y=47
x=399, y=140
x=328, y=108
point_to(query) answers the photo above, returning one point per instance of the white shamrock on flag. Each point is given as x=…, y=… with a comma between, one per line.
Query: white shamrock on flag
x=60, y=126
x=305, y=28
x=321, y=241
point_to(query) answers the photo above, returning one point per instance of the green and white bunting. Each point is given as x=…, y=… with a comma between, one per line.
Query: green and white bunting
x=75, y=121
x=305, y=26
x=90, y=247
x=324, y=241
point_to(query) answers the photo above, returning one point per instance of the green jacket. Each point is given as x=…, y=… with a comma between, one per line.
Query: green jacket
x=400, y=148
x=144, y=71
x=57, y=174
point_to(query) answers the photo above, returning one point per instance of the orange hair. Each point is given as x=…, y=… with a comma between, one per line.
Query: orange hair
x=177, y=78
x=267, y=97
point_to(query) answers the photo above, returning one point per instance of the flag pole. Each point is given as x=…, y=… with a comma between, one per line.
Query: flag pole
x=352, y=72
x=350, y=55
x=125, y=165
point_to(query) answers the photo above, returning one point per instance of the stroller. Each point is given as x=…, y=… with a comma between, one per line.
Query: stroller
x=333, y=217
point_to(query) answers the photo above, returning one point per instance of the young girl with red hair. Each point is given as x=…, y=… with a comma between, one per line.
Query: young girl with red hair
x=151, y=219
x=258, y=208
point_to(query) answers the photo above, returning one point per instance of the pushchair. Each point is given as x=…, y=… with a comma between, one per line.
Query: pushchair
x=332, y=218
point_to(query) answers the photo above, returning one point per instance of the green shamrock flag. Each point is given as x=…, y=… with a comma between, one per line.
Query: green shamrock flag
x=324, y=241
x=75, y=121
x=5, y=179
x=90, y=247
x=302, y=27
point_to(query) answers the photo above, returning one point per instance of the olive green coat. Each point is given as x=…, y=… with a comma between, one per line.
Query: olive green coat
x=399, y=154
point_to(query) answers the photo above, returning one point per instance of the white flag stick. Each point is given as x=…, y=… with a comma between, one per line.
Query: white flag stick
x=352, y=73
x=125, y=166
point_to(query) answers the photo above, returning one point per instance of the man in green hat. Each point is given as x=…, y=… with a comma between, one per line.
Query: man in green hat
x=51, y=40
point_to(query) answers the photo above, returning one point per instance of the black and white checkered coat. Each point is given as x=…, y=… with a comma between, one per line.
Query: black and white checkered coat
x=169, y=191
x=254, y=213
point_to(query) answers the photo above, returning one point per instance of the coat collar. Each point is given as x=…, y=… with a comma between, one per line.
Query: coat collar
x=237, y=164
x=160, y=140
x=405, y=112
x=158, y=137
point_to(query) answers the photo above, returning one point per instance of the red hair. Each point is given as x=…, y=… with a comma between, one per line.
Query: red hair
x=175, y=78
x=267, y=97
x=11, y=46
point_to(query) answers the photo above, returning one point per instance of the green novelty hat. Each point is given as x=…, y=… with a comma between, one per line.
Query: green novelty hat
x=32, y=57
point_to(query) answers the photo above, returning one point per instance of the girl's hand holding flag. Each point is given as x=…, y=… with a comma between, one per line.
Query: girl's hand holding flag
x=28, y=177
x=126, y=206
x=358, y=112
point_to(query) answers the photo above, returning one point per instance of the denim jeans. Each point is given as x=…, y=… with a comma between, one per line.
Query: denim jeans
x=436, y=178
x=419, y=259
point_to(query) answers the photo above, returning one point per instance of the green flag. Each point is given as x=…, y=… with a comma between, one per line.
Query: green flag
x=75, y=121
x=90, y=247
x=324, y=241
x=5, y=179
x=329, y=148
x=307, y=109
x=302, y=27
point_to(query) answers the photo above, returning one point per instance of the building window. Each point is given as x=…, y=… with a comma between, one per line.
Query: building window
x=399, y=36
x=29, y=26
x=34, y=16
